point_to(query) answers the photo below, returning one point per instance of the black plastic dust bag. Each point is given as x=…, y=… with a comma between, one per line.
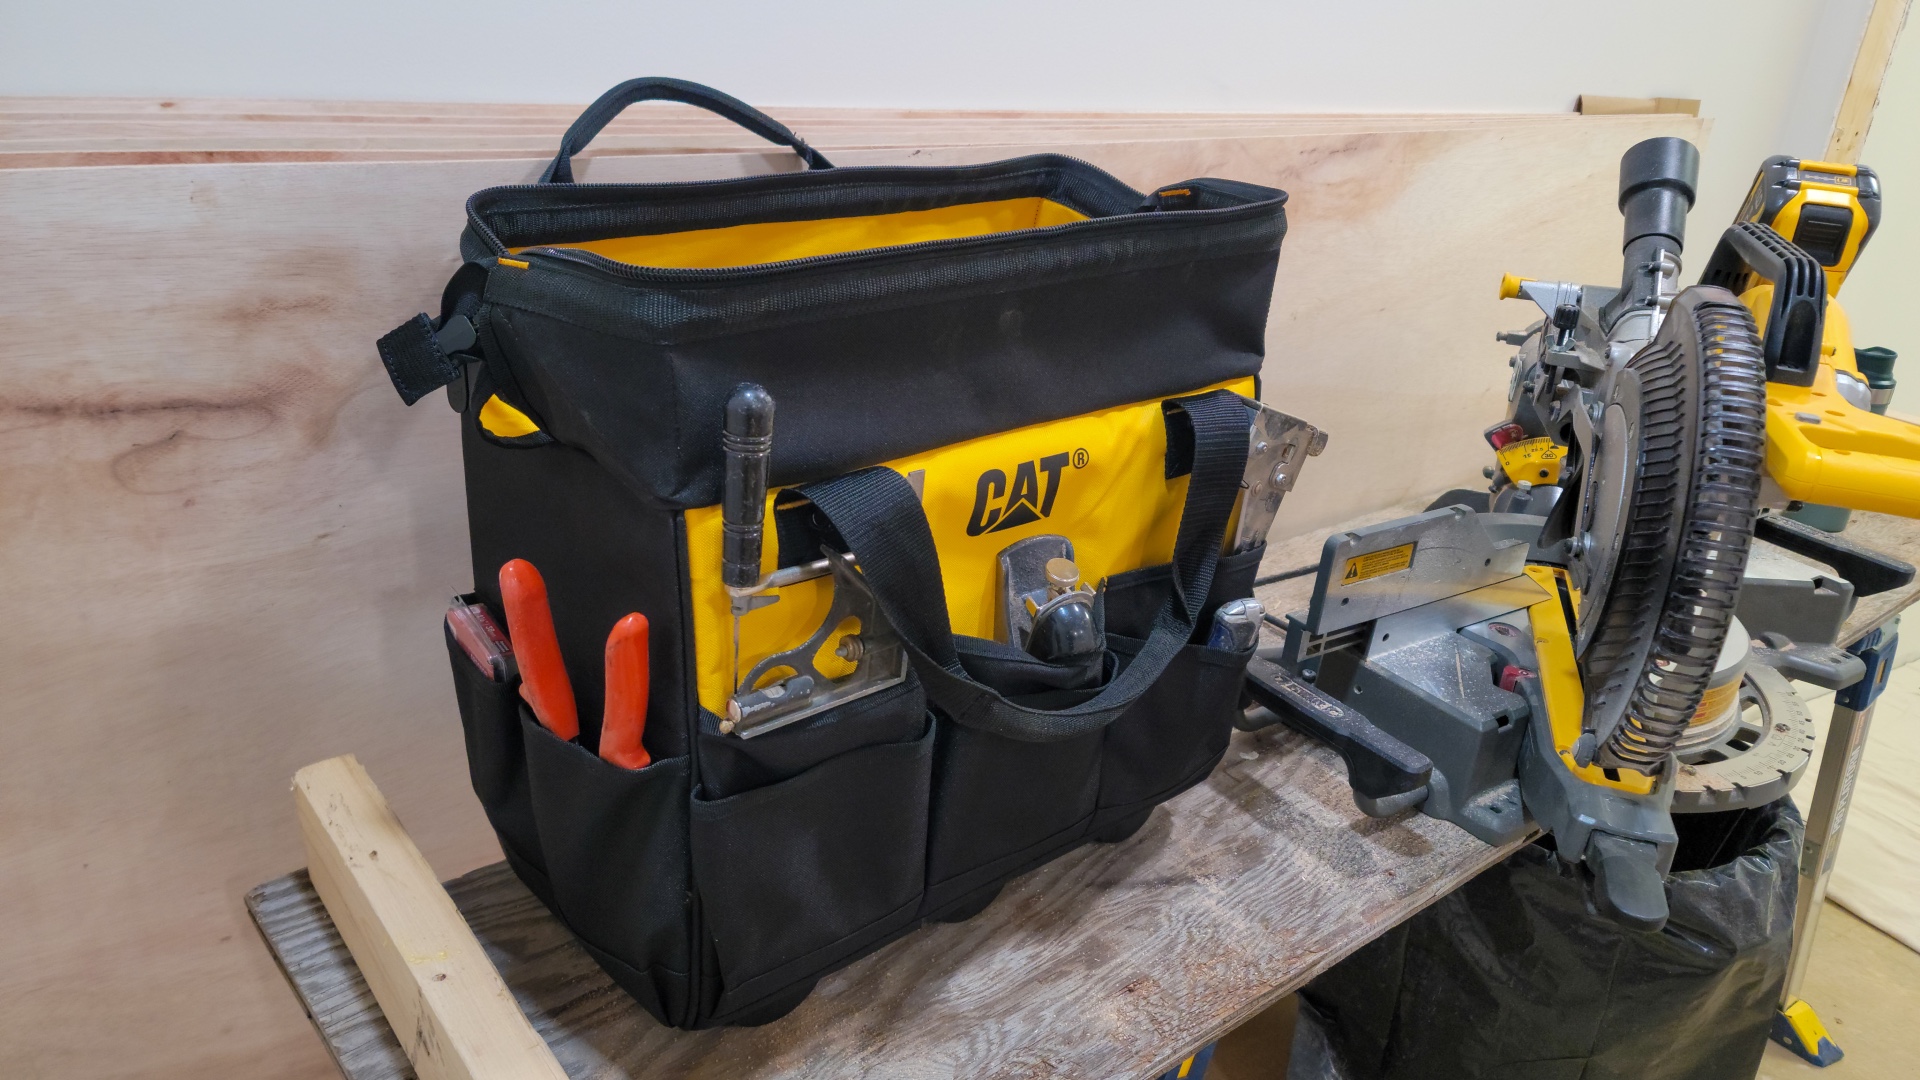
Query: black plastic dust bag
x=1512, y=977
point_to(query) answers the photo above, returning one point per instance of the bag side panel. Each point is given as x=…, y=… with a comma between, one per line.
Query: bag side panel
x=603, y=554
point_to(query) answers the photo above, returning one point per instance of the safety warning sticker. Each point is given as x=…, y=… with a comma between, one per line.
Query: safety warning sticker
x=1377, y=563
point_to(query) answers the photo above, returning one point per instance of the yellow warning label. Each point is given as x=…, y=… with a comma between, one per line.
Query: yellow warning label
x=1376, y=563
x=1537, y=461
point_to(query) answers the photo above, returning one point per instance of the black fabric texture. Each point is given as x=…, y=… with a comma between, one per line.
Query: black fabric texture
x=800, y=875
x=878, y=513
x=1511, y=976
x=1002, y=806
x=603, y=554
x=615, y=843
x=610, y=104
x=1176, y=733
x=496, y=761
x=414, y=360
x=1018, y=673
x=729, y=765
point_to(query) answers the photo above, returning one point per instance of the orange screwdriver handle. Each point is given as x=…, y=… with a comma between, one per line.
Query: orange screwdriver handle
x=628, y=673
x=543, y=677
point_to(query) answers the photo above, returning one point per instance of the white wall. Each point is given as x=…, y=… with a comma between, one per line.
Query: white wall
x=1769, y=72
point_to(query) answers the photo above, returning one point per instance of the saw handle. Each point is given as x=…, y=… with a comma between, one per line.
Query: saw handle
x=1387, y=775
x=1796, y=321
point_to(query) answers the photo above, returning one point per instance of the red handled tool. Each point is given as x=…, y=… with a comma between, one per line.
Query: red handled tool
x=628, y=674
x=543, y=678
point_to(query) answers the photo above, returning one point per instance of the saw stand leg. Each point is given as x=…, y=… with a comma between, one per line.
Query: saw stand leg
x=1796, y=1026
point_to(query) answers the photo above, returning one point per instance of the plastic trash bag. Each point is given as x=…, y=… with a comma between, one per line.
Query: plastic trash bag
x=1512, y=978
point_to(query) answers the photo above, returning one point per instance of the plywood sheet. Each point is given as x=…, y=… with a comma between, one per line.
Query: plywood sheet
x=229, y=546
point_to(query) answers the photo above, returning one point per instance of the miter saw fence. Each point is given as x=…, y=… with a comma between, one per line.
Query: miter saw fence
x=1563, y=650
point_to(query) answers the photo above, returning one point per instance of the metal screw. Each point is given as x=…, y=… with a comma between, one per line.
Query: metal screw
x=851, y=649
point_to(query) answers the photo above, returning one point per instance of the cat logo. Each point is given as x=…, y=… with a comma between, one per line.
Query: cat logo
x=1026, y=503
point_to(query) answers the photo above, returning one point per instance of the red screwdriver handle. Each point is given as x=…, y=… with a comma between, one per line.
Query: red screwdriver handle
x=543, y=677
x=628, y=674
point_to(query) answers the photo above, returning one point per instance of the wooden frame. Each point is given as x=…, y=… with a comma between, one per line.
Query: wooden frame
x=1855, y=116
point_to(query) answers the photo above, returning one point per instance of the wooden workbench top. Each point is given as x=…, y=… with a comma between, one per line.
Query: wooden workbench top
x=1113, y=961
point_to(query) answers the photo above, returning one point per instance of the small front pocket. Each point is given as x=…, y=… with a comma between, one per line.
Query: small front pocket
x=497, y=763
x=1000, y=805
x=615, y=841
x=731, y=765
x=1174, y=735
x=800, y=875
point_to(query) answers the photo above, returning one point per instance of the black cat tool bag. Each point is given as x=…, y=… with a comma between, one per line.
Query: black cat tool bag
x=859, y=736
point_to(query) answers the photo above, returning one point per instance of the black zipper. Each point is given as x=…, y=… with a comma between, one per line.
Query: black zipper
x=628, y=272
x=662, y=275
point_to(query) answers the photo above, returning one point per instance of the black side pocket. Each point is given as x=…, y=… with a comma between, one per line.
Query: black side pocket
x=802, y=875
x=1001, y=805
x=615, y=841
x=497, y=764
x=1175, y=734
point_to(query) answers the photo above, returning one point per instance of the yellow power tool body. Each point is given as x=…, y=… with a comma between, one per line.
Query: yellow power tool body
x=1799, y=233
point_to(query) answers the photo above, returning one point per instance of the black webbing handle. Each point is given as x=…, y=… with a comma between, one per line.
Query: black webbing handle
x=877, y=514
x=613, y=102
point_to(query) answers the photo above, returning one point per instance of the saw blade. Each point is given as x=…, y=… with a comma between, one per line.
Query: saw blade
x=1606, y=486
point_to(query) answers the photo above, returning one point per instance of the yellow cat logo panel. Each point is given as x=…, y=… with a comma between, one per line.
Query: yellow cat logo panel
x=1097, y=479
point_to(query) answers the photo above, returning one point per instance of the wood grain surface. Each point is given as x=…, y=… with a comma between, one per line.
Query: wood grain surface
x=229, y=546
x=1115, y=961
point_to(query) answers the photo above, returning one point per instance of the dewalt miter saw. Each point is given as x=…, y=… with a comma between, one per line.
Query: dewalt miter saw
x=1562, y=651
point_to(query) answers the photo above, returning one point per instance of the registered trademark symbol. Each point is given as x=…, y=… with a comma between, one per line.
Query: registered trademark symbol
x=1079, y=459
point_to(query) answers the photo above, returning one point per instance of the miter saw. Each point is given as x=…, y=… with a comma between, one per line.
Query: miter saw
x=1566, y=650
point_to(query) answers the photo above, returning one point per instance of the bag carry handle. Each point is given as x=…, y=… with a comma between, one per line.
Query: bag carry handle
x=877, y=513
x=614, y=102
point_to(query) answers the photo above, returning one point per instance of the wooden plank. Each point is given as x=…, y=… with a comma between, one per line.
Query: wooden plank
x=1855, y=116
x=1117, y=960
x=293, y=921
x=238, y=546
x=1597, y=105
x=433, y=981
